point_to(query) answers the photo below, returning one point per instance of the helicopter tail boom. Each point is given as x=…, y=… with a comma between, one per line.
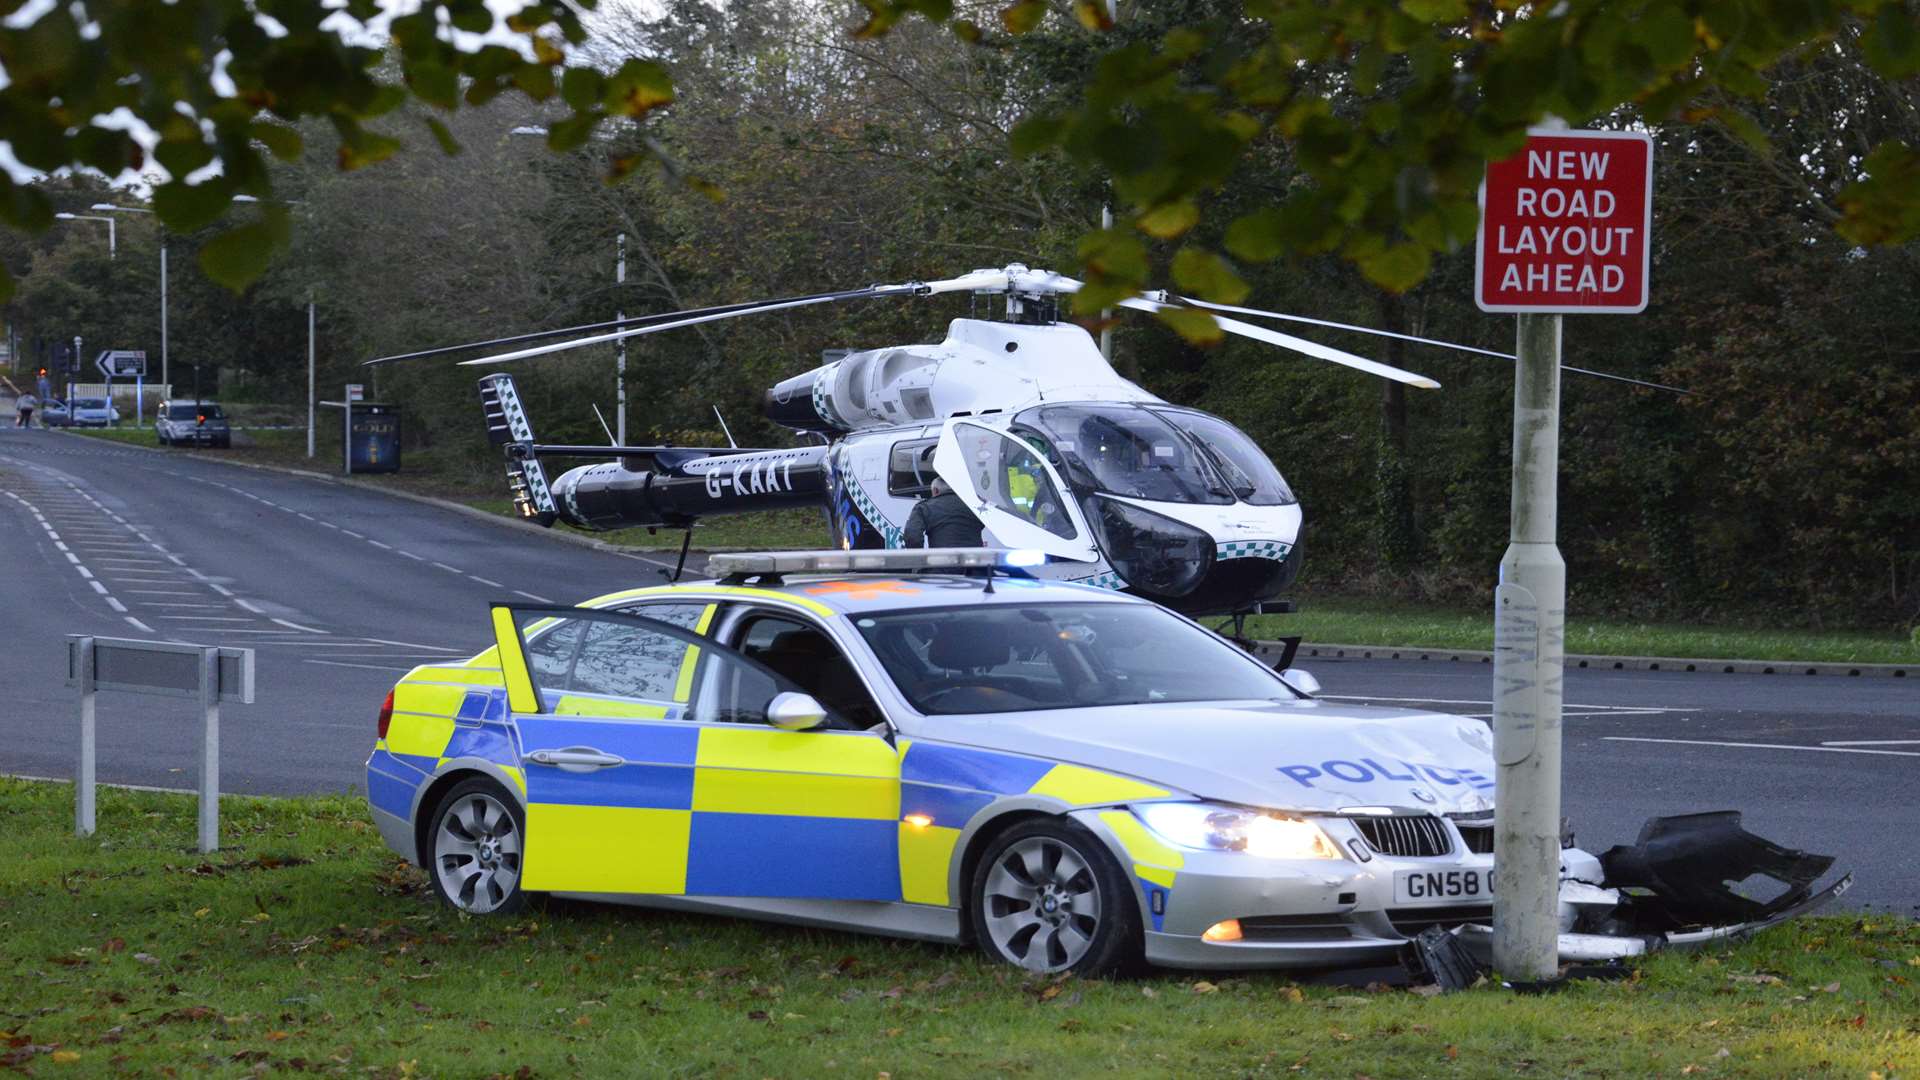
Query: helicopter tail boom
x=508, y=427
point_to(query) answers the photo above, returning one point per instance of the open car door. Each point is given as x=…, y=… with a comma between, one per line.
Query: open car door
x=1013, y=490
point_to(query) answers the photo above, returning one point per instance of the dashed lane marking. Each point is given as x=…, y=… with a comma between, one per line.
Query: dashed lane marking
x=1762, y=746
x=296, y=626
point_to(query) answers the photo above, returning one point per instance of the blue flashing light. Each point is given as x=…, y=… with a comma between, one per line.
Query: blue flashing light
x=1026, y=557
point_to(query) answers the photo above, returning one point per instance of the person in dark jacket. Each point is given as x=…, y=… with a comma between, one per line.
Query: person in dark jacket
x=942, y=520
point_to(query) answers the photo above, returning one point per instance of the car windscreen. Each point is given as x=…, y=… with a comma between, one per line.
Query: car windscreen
x=89, y=403
x=189, y=412
x=1125, y=450
x=1006, y=658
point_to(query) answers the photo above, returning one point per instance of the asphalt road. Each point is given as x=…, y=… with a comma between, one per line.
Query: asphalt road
x=340, y=589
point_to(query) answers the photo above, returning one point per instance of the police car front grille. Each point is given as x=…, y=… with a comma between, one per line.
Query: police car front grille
x=1411, y=920
x=1420, y=836
x=1331, y=926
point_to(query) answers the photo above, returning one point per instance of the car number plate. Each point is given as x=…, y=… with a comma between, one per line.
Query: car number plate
x=1448, y=886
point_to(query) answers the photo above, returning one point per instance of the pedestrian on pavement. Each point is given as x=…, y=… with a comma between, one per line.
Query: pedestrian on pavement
x=26, y=403
x=942, y=520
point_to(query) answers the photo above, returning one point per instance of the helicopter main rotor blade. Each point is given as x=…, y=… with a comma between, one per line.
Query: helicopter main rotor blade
x=1420, y=340
x=692, y=319
x=630, y=321
x=1299, y=345
x=1339, y=326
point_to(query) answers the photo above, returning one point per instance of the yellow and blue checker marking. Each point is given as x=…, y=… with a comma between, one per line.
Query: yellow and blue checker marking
x=421, y=736
x=727, y=810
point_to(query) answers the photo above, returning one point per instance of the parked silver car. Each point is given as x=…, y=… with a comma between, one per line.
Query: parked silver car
x=92, y=412
x=194, y=423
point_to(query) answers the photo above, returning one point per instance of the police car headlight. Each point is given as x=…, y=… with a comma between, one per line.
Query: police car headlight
x=1212, y=827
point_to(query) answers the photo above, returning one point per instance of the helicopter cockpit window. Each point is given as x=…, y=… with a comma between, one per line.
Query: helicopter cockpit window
x=1237, y=458
x=1009, y=476
x=1125, y=450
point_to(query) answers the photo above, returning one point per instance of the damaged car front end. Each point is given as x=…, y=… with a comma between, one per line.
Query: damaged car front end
x=1688, y=880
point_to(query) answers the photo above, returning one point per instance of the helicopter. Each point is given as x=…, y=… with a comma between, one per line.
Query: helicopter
x=1088, y=476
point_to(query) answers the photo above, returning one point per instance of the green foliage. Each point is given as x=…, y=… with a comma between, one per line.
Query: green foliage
x=70, y=69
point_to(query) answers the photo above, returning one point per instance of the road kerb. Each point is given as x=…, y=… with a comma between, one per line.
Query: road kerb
x=1594, y=662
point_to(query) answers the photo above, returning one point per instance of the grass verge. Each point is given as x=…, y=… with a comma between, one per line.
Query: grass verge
x=305, y=946
x=1372, y=621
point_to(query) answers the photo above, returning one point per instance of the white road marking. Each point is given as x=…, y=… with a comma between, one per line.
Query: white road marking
x=415, y=558
x=1763, y=746
x=57, y=542
x=116, y=605
x=97, y=587
x=297, y=626
x=449, y=569
x=162, y=592
x=176, y=603
x=143, y=627
x=250, y=606
x=378, y=544
x=1872, y=742
x=1464, y=701
x=485, y=581
x=84, y=572
x=369, y=667
x=359, y=536
x=531, y=596
x=221, y=589
x=413, y=645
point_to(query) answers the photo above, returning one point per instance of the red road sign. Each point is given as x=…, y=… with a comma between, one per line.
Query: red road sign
x=1566, y=225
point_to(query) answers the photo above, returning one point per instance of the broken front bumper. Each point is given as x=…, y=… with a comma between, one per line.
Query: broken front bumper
x=1587, y=948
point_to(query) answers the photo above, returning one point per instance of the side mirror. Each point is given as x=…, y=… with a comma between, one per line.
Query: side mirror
x=790, y=711
x=1302, y=680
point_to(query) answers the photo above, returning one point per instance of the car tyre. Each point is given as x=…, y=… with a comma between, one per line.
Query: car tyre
x=474, y=846
x=1048, y=897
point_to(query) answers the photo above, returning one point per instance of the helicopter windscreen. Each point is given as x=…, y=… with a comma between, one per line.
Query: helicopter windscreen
x=1124, y=450
x=1237, y=458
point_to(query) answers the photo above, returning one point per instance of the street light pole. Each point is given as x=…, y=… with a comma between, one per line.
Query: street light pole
x=112, y=244
x=620, y=362
x=310, y=372
x=166, y=384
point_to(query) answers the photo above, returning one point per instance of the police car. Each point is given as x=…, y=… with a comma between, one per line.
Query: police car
x=915, y=743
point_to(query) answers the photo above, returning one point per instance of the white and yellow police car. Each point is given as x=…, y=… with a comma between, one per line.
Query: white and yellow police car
x=913, y=743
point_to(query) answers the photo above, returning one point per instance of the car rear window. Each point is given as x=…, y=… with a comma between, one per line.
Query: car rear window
x=89, y=403
x=189, y=412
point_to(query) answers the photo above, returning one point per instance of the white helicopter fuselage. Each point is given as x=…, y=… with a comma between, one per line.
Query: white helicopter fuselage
x=1033, y=428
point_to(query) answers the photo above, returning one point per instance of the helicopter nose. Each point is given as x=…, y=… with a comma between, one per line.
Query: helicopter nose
x=1236, y=584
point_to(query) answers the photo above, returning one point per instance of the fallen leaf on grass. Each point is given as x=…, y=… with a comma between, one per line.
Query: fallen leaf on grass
x=757, y=1014
x=1426, y=990
x=276, y=1036
x=1722, y=1053
x=201, y=913
x=1761, y=979
x=1148, y=991
x=113, y=945
x=1204, y=987
x=146, y=958
x=1453, y=1052
x=65, y=1057
x=1831, y=988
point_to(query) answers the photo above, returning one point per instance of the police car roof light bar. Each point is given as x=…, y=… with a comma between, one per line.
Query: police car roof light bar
x=866, y=560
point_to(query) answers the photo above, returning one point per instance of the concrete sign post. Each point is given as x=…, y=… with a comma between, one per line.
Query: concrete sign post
x=209, y=674
x=1564, y=227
